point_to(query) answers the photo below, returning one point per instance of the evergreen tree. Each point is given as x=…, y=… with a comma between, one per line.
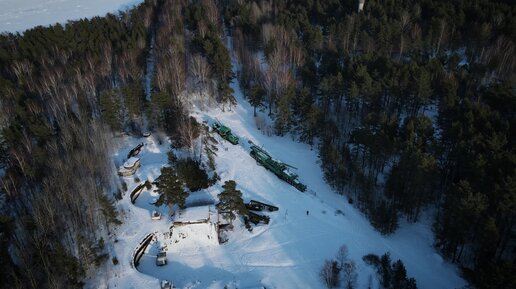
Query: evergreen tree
x=311, y=124
x=209, y=146
x=7, y=272
x=67, y=265
x=111, y=109
x=230, y=200
x=399, y=275
x=392, y=276
x=227, y=95
x=170, y=189
x=412, y=181
x=134, y=99
x=384, y=217
x=109, y=210
x=386, y=270
x=191, y=174
x=256, y=96
x=283, y=121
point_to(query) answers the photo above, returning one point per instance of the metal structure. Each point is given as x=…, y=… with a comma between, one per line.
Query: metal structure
x=140, y=250
x=256, y=218
x=225, y=132
x=279, y=168
x=135, y=151
x=247, y=224
x=136, y=192
x=259, y=206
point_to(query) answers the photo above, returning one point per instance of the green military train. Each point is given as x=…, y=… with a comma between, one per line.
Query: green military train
x=225, y=132
x=279, y=168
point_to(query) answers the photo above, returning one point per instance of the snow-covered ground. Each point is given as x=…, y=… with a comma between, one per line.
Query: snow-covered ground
x=287, y=253
x=19, y=15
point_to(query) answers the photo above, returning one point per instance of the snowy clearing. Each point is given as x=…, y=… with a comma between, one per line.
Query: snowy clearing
x=286, y=253
x=20, y=15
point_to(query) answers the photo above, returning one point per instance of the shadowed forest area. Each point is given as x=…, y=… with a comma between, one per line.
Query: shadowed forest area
x=66, y=91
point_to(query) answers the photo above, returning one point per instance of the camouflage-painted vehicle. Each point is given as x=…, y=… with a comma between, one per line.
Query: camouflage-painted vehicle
x=225, y=132
x=256, y=218
x=279, y=168
x=259, y=206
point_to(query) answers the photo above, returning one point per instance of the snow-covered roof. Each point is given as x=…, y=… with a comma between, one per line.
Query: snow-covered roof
x=196, y=215
x=131, y=162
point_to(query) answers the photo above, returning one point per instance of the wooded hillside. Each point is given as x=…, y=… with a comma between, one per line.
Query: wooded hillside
x=411, y=104
x=66, y=91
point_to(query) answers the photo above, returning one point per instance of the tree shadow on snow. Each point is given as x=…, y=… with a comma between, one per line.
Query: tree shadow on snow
x=182, y=275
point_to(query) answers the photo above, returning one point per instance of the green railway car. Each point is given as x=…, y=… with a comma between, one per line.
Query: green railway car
x=225, y=132
x=279, y=168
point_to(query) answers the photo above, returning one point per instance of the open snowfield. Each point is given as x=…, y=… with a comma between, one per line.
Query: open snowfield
x=287, y=253
x=19, y=15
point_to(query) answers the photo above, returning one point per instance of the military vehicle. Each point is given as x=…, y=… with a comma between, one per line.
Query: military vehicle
x=256, y=218
x=247, y=224
x=259, y=206
x=279, y=168
x=225, y=132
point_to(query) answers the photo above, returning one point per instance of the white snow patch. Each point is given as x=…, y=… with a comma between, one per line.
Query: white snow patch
x=200, y=214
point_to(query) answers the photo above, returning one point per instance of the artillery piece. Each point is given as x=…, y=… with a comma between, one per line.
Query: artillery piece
x=279, y=168
x=257, y=218
x=259, y=206
x=225, y=132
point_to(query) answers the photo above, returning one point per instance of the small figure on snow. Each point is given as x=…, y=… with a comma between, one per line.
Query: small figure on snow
x=307, y=212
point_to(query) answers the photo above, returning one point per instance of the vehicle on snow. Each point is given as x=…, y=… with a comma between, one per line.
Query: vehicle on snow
x=225, y=132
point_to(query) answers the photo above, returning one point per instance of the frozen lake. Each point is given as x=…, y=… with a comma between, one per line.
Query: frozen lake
x=20, y=15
